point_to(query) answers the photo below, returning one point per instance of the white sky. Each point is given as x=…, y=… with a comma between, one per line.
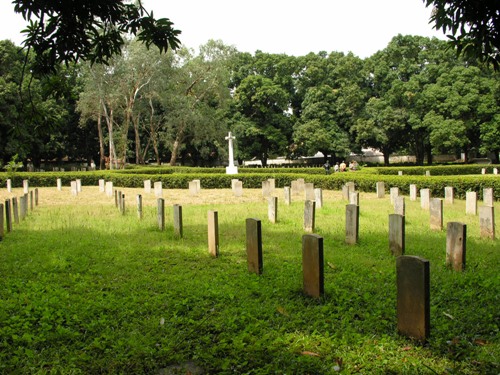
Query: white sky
x=292, y=27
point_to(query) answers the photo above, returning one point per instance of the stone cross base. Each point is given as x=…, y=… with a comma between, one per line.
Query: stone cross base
x=232, y=170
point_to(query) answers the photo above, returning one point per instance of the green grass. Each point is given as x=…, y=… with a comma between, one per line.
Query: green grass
x=85, y=290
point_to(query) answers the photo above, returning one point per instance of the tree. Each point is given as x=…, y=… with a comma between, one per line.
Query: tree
x=69, y=31
x=474, y=26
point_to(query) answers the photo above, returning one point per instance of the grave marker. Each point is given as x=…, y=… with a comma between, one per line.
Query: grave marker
x=36, y=196
x=354, y=198
x=158, y=189
x=471, y=203
x=122, y=205
x=193, y=188
x=399, y=205
x=59, y=184
x=309, y=216
x=8, y=216
x=313, y=265
x=213, y=233
x=495, y=170
x=109, y=188
x=266, y=188
x=400, y=173
x=119, y=196
x=79, y=185
x=425, y=198
x=487, y=222
x=272, y=209
x=483, y=170
x=139, y=205
x=351, y=224
x=2, y=226
x=198, y=184
x=23, y=203
x=456, y=241
x=25, y=186
x=161, y=213
x=74, y=188
x=488, y=197
x=254, y=245
x=288, y=195
x=101, y=186
x=449, y=195
x=397, y=234
x=394, y=192
x=413, y=297
x=345, y=192
x=32, y=201
x=427, y=173
x=15, y=210
x=309, y=188
x=318, y=197
x=238, y=188
x=380, y=189
x=272, y=184
x=178, y=220
x=147, y=186
x=413, y=192
x=436, y=211
x=9, y=185
x=116, y=198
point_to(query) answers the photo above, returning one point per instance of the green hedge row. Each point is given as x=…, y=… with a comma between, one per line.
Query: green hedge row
x=200, y=170
x=438, y=170
x=364, y=182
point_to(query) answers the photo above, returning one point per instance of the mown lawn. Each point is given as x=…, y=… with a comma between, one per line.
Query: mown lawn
x=86, y=290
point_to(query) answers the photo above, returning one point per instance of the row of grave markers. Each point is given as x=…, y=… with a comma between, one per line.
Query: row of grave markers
x=428, y=173
x=12, y=212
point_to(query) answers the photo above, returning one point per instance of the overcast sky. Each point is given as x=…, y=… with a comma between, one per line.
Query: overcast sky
x=292, y=27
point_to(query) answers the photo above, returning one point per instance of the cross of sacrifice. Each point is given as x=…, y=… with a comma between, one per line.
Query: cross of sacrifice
x=230, y=138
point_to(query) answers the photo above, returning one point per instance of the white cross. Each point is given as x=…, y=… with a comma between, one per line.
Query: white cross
x=230, y=138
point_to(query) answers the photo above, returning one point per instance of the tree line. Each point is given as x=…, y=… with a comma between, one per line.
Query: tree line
x=416, y=96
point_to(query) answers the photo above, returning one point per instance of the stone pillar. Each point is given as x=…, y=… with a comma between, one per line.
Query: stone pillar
x=351, y=224
x=79, y=185
x=59, y=184
x=139, y=205
x=456, y=241
x=32, y=200
x=487, y=221
x=394, y=193
x=449, y=195
x=313, y=265
x=238, y=188
x=213, y=233
x=488, y=197
x=354, y=198
x=254, y=245
x=413, y=297
x=25, y=186
x=9, y=185
x=318, y=197
x=178, y=220
x=109, y=188
x=471, y=203
x=309, y=187
x=288, y=195
x=272, y=184
x=101, y=185
x=266, y=189
x=116, y=199
x=380, y=189
x=161, y=213
x=397, y=234
x=309, y=216
x=436, y=214
x=122, y=205
x=8, y=216
x=413, y=192
x=193, y=188
x=120, y=197
x=425, y=198
x=345, y=192
x=23, y=204
x=147, y=186
x=272, y=209
x=158, y=189
x=74, y=188
x=399, y=205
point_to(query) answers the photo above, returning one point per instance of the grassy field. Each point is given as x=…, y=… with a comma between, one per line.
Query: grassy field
x=86, y=290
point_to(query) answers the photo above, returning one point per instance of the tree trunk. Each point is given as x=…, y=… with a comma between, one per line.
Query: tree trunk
x=138, y=158
x=177, y=144
x=386, y=158
x=102, y=157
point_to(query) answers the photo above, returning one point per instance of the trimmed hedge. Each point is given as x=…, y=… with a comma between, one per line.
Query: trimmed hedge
x=438, y=170
x=364, y=182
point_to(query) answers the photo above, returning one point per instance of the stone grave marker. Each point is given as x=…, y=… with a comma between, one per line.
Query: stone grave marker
x=295, y=187
x=413, y=192
x=354, y=198
x=122, y=205
x=178, y=231
x=425, y=198
x=272, y=184
x=23, y=206
x=413, y=297
x=74, y=188
x=309, y=189
x=487, y=222
x=158, y=189
x=351, y=224
x=495, y=170
x=313, y=265
x=309, y=216
x=399, y=205
x=32, y=200
x=456, y=241
x=483, y=170
x=161, y=213
x=9, y=185
x=36, y=196
x=2, y=225
x=109, y=188
x=427, y=173
x=8, y=216
x=233, y=181
x=394, y=192
x=26, y=186
x=193, y=188
x=266, y=189
x=488, y=197
x=254, y=245
x=345, y=192
x=471, y=203
x=380, y=189
x=272, y=209
x=79, y=185
x=238, y=188
x=288, y=195
x=318, y=197
x=449, y=195
x=400, y=173
x=213, y=233
x=198, y=183
x=436, y=211
x=139, y=205
x=59, y=184
x=15, y=210
x=147, y=186
x=101, y=185
x=397, y=234
x=352, y=186
x=301, y=185
x=116, y=199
